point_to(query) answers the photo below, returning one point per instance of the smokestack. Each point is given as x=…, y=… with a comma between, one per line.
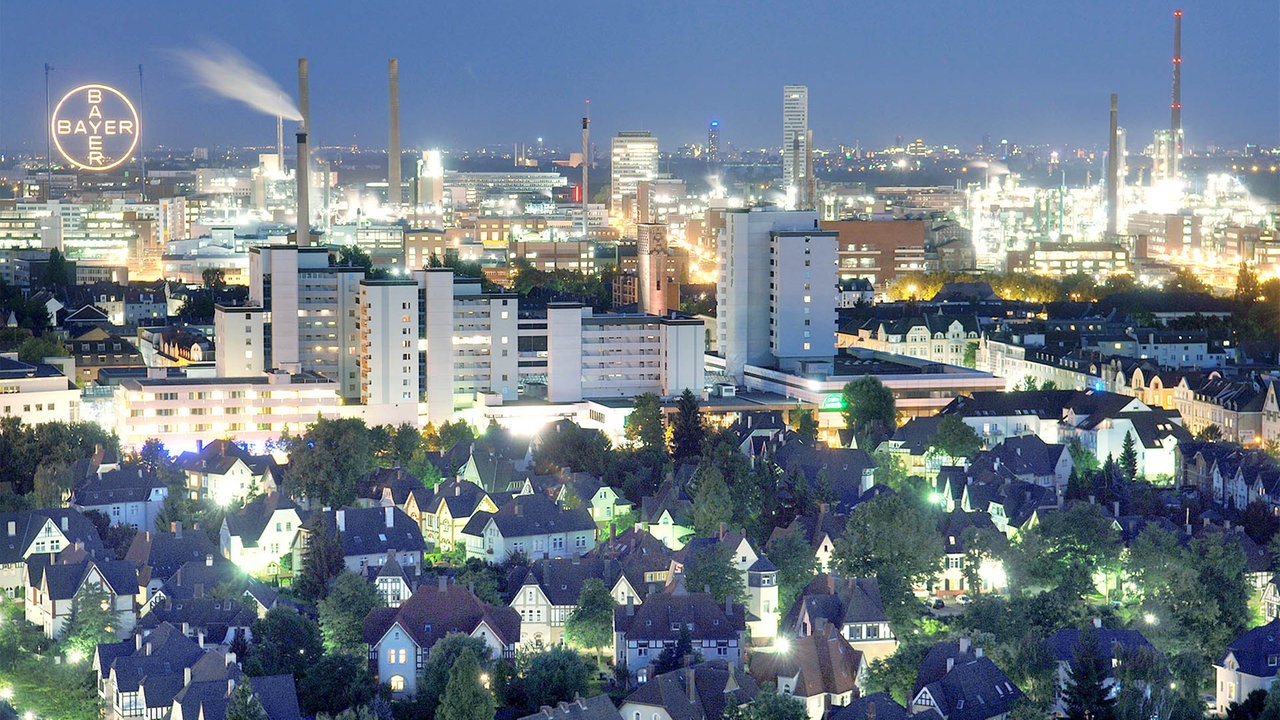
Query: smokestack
x=1175, y=108
x=280, y=142
x=586, y=163
x=304, y=156
x=1113, y=171
x=394, y=194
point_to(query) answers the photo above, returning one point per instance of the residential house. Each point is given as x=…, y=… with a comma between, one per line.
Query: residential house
x=821, y=670
x=951, y=581
x=959, y=683
x=583, y=490
x=759, y=577
x=911, y=444
x=1270, y=424
x=936, y=338
x=54, y=587
x=697, y=692
x=641, y=632
x=139, y=677
x=367, y=534
x=668, y=514
x=225, y=472
x=29, y=533
x=1030, y=459
x=211, y=622
x=400, y=639
x=1115, y=647
x=644, y=564
x=848, y=473
x=851, y=605
x=1250, y=663
x=447, y=511
x=96, y=349
x=498, y=460
x=158, y=555
x=208, y=699
x=876, y=706
x=531, y=525
x=995, y=416
x=820, y=529
x=547, y=592
x=125, y=496
x=756, y=430
x=263, y=536
x=394, y=584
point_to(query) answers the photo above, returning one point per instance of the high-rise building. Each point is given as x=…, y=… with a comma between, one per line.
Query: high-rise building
x=713, y=142
x=777, y=292
x=634, y=158
x=795, y=141
x=657, y=291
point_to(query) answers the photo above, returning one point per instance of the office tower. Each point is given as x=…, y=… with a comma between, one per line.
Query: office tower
x=389, y=359
x=776, y=295
x=634, y=157
x=713, y=142
x=795, y=141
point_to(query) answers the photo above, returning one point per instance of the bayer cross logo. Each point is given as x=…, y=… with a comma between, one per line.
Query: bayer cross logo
x=95, y=127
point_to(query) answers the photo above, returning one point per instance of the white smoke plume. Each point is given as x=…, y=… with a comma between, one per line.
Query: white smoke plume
x=225, y=71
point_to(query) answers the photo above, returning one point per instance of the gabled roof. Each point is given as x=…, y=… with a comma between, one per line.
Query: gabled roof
x=28, y=523
x=825, y=663
x=366, y=531
x=460, y=496
x=876, y=706
x=974, y=690
x=838, y=601
x=252, y=520
x=954, y=525
x=1062, y=644
x=63, y=580
x=1027, y=455
x=1254, y=649
x=163, y=651
x=212, y=615
x=915, y=434
x=654, y=620
x=599, y=707
x=672, y=497
x=431, y=613
x=160, y=554
x=561, y=580
x=217, y=457
x=116, y=486
x=717, y=686
x=531, y=515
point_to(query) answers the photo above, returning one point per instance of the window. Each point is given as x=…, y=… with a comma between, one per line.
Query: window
x=402, y=656
x=391, y=656
x=397, y=683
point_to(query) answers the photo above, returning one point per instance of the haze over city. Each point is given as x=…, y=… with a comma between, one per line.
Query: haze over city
x=503, y=72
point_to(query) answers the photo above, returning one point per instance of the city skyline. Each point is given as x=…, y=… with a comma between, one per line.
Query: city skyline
x=669, y=69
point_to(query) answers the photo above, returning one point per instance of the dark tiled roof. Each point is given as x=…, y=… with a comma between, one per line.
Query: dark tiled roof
x=367, y=532
x=561, y=580
x=1063, y=643
x=116, y=486
x=529, y=515
x=974, y=690
x=717, y=686
x=599, y=707
x=63, y=581
x=838, y=601
x=654, y=620
x=219, y=455
x=28, y=523
x=876, y=706
x=825, y=663
x=431, y=613
x=251, y=521
x=160, y=554
x=1254, y=649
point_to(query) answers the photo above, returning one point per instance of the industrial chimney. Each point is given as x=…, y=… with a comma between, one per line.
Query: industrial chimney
x=394, y=193
x=1175, y=108
x=304, y=157
x=586, y=163
x=1113, y=171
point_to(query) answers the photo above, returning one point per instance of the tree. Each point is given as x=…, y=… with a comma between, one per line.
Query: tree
x=445, y=654
x=1185, y=280
x=1210, y=433
x=466, y=697
x=484, y=579
x=406, y=441
x=711, y=568
x=954, y=438
x=34, y=350
x=1258, y=522
x=687, y=429
x=555, y=675
x=244, y=705
x=1066, y=550
x=354, y=256
x=1085, y=693
x=334, y=683
x=896, y=673
x=91, y=621
x=644, y=427
x=58, y=273
x=869, y=411
x=342, y=613
x=321, y=562
x=452, y=433
x=214, y=278
x=673, y=656
x=768, y=705
x=284, y=643
x=796, y=564
x=326, y=461
x=712, y=502
x=590, y=624
x=894, y=539
x=805, y=422
x=1251, y=709
x=1129, y=457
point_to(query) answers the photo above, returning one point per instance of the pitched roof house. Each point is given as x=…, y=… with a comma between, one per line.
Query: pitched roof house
x=531, y=525
x=698, y=692
x=852, y=606
x=717, y=631
x=821, y=670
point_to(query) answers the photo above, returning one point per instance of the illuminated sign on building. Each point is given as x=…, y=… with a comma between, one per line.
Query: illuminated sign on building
x=95, y=127
x=832, y=403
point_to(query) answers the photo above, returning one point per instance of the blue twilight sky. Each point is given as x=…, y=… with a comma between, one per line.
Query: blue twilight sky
x=500, y=71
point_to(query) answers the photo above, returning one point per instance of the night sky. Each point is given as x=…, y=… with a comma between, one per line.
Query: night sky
x=498, y=71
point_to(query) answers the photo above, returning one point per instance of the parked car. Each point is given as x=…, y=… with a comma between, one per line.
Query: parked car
x=938, y=604
x=965, y=599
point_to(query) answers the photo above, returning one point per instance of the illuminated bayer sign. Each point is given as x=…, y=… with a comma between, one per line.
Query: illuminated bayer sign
x=95, y=127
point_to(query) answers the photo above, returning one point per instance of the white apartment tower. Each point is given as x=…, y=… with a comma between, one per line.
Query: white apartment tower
x=469, y=341
x=795, y=142
x=240, y=350
x=389, y=349
x=776, y=296
x=634, y=159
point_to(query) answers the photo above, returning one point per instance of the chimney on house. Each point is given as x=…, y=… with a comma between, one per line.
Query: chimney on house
x=388, y=517
x=64, y=523
x=13, y=528
x=442, y=583
x=1097, y=623
x=519, y=508
x=631, y=604
x=137, y=642
x=175, y=527
x=728, y=605
x=951, y=662
x=720, y=535
x=977, y=652
x=1115, y=508
x=208, y=560
x=871, y=711
x=200, y=638
x=231, y=659
x=963, y=644
x=457, y=489
x=186, y=674
x=340, y=518
x=690, y=688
